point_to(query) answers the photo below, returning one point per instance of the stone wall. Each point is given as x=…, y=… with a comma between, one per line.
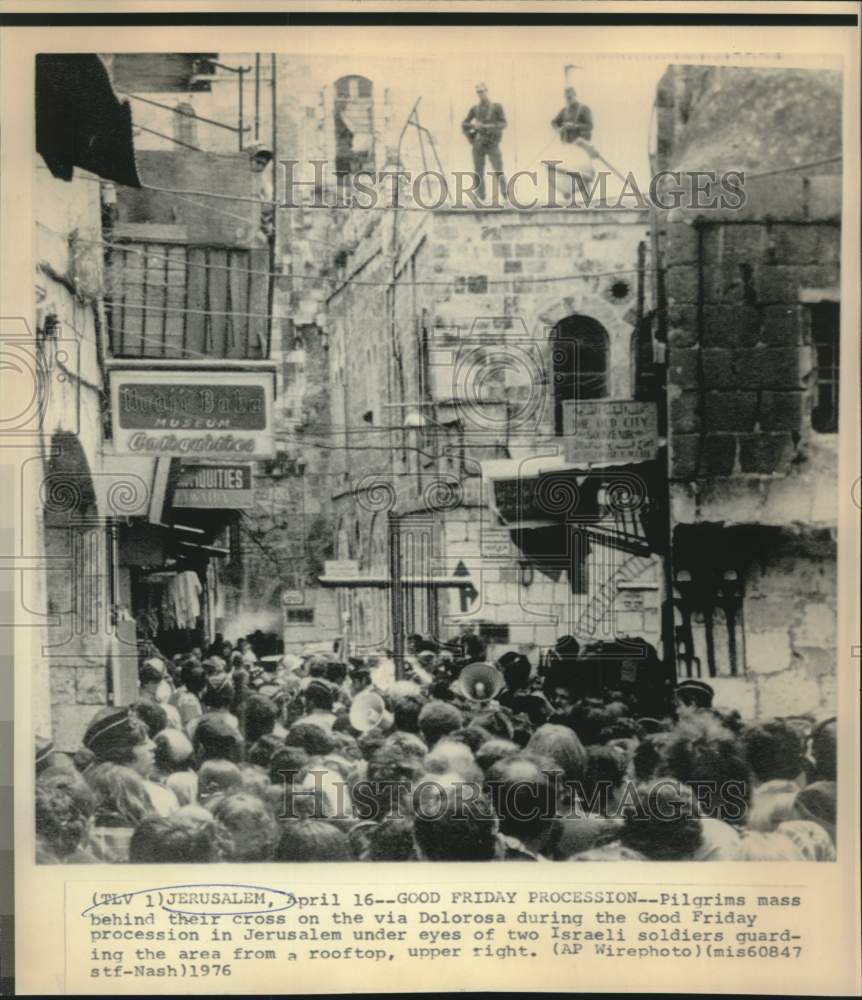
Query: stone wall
x=466, y=329
x=742, y=374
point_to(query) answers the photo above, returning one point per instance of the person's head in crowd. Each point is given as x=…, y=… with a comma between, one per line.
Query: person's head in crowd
x=251, y=827
x=589, y=719
x=392, y=840
x=119, y=736
x=615, y=851
x=319, y=696
x=823, y=750
x=177, y=839
x=453, y=823
x=314, y=739
x=662, y=821
x=226, y=651
x=371, y=741
x=492, y=751
x=215, y=739
x=495, y=721
x=174, y=752
x=153, y=715
x=255, y=779
x=818, y=802
x=260, y=753
x=151, y=674
x=312, y=840
x=317, y=666
x=709, y=758
x=472, y=736
x=774, y=751
x=390, y=775
x=603, y=780
x=193, y=677
x=62, y=819
x=437, y=719
x=286, y=763
x=647, y=758
x=259, y=717
x=516, y=669
x=346, y=746
x=121, y=795
x=214, y=665
x=810, y=838
x=44, y=753
x=218, y=695
x=405, y=713
x=217, y=777
x=771, y=804
x=449, y=756
x=561, y=745
x=360, y=679
x=336, y=672
x=524, y=799
x=692, y=695
x=756, y=846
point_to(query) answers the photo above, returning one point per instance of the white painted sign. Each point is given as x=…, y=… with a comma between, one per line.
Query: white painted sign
x=609, y=431
x=204, y=415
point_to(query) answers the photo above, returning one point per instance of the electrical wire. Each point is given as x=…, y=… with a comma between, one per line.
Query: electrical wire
x=536, y=279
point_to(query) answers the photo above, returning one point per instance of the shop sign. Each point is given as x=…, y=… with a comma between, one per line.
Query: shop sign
x=617, y=431
x=207, y=415
x=215, y=487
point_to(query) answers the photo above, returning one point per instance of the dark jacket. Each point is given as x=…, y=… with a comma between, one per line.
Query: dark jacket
x=575, y=121
x=489, y=114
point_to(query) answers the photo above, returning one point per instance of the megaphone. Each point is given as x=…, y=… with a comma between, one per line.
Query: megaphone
x=480, y=681
x=367, y=710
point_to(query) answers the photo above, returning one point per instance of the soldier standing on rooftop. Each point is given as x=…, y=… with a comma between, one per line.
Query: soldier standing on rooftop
x=483, y=127
x=575, y=120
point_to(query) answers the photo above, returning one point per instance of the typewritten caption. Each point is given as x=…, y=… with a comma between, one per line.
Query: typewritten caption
x=207, y=933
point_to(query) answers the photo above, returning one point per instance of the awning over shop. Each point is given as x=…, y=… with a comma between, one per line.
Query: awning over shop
x=538, y=498
x=80, y=122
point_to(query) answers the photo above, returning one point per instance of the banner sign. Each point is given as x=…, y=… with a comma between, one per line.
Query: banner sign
x=618, y=431
x=222, y=487
x=193, y=414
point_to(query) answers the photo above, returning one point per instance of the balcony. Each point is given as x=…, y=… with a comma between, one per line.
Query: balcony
x=188, y=275
x=168, y=299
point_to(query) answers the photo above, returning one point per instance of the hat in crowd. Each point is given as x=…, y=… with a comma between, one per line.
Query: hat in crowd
x=114, y=729
x=696, y=694
x=317, y=685
x=151, y=672
x=44, y=753
x=218, y=681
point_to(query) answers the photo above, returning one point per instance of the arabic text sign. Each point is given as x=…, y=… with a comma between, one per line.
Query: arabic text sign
x=610, y=430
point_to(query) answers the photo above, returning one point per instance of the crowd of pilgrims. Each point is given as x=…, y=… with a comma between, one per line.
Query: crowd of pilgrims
x=227, y=758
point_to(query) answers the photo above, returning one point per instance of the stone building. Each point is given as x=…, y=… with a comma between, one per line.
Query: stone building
x=450, y=338
x=753, y=368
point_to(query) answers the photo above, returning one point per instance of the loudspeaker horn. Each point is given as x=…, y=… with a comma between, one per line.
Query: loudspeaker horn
x=367, y=710
x=480, y=681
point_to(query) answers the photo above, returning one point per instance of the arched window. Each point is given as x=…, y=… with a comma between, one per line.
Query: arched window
x=580, y=359
x=354, y=125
